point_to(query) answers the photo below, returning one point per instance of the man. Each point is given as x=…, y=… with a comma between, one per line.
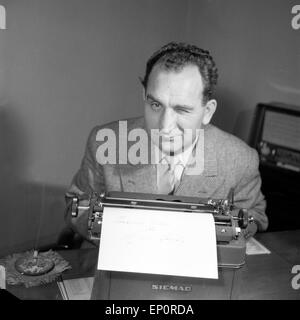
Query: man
x=178, y=106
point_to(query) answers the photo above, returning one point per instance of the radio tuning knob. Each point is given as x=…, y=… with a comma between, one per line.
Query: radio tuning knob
x=265, y=150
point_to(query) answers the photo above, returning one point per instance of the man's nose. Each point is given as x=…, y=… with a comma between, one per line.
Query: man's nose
x=167, y=121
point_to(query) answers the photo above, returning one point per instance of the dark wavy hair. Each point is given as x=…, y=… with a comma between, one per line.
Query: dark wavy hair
x=175, y=56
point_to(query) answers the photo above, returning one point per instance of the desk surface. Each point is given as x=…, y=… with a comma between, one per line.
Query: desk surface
x=262, y=277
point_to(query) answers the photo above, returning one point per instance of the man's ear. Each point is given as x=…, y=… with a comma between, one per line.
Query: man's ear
x=209, y=110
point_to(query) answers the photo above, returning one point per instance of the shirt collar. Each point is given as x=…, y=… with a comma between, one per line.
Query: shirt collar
x=181, y=158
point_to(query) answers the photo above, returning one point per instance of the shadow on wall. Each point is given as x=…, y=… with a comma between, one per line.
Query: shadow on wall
x=243, y=125
x=12, y=144
x=31, y=214
x=231, y=115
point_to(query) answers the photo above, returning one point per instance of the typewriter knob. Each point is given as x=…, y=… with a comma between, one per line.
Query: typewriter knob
x=243, y=218
x=102, y=195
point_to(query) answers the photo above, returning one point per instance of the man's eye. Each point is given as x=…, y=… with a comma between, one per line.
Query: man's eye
x=182, y=110
x=155, y=106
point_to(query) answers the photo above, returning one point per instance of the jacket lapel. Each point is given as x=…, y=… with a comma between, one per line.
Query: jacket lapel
x=206, y=183
x=138, y=178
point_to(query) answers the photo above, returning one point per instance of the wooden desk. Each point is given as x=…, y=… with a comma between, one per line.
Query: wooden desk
x=262, y=277
x=269, y=276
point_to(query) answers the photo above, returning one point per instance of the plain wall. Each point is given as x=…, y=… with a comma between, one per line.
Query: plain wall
x=69, y=65
x=74, y=64
x=2, y=64
x=257, y=53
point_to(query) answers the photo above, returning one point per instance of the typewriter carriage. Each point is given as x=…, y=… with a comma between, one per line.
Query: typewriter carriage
x=228, y=226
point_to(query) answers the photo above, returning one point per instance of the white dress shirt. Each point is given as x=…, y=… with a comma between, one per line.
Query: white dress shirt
x=177, y=162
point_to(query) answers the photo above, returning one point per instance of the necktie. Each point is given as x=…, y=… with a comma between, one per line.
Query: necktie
x=166, y=178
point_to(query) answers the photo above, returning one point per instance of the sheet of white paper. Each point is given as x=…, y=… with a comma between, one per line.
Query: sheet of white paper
x=158, y=242
x=76, y=289
x=255, y=247
x=62, y=290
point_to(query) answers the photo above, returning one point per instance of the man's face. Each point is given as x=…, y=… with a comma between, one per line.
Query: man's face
x=173, y=103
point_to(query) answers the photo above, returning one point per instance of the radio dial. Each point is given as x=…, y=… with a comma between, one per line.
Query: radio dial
x=265, y=150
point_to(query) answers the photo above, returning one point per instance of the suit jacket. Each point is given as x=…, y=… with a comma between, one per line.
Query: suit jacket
x=228, y=163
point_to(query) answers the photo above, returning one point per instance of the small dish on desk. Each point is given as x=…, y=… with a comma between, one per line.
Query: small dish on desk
x=34, y=266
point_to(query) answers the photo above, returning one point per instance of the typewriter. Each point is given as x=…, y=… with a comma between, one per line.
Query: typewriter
x=229, y=220
x=231, y=247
